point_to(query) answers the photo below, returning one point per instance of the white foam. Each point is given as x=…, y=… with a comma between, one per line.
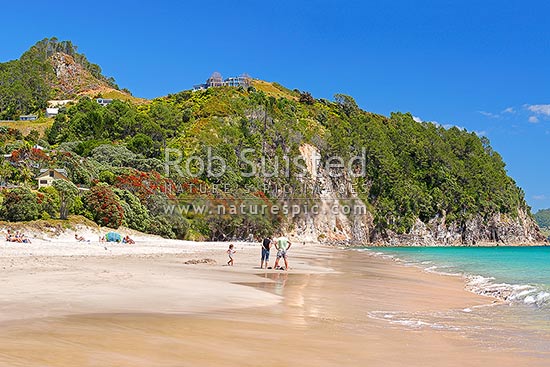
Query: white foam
x=522, y=293
x=539, y=299
x=486, y=286
x=417, y=324
x=409, y=321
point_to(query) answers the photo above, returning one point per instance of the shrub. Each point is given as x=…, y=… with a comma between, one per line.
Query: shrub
x=48, y=199
x=115, y=155
x=67, y=193
x=107, y=177
x=306, y=98
x=146, y=184
x=104, y=206
x=143, y=144
x=85, y=148
x=80, y=209
x=169, y=226
x=136, y=216
x=20, y=204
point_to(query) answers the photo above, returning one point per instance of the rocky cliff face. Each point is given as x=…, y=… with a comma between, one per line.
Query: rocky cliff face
x=71, y=77
x=500, y=229
x=343, y=218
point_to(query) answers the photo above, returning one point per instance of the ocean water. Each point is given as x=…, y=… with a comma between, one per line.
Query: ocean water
x=519, y=276
x=515, y=274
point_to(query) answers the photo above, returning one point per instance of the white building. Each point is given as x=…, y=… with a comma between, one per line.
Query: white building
x=28, y=117
x=48, y=176
x=52, y=112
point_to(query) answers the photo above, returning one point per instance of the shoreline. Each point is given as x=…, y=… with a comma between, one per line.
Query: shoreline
x=202, y=260
x=483, y=285
x=52, y=231
x=480, y=244
x=332, y=304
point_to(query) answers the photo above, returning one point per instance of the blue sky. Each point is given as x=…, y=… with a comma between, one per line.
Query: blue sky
x=482, y=65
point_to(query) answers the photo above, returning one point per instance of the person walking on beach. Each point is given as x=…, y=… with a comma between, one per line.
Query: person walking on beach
x=266, y=247
x=283, y=245
x=230, y=252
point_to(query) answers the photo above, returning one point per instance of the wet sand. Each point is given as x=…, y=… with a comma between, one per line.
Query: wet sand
x=334, y=308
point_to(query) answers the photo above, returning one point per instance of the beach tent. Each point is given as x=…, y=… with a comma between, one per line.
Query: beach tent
x=113, y=237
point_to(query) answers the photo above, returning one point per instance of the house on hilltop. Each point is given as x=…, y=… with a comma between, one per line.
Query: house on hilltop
x=238, y=81
x=47, y=176
x=216, y=80
x=104, y=101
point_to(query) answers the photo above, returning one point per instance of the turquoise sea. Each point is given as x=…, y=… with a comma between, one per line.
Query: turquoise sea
x=519, y=274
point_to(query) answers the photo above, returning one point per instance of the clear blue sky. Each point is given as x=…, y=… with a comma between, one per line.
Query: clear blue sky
x=481, y=65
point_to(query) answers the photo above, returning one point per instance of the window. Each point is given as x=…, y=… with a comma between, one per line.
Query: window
x=43, y=182
x=52, y=173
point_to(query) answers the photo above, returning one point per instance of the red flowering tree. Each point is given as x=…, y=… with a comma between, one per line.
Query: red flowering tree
x=29, y=156
x=105, y=206
x=145, y=184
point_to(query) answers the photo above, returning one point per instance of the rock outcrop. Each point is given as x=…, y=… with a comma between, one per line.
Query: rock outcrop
x=73, y=78
x=500, y=229
x=342, y=217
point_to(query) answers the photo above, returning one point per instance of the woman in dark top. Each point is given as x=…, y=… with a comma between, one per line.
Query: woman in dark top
x=266, y=246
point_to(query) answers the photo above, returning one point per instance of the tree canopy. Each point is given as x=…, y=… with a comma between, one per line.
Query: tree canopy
x=413, y=170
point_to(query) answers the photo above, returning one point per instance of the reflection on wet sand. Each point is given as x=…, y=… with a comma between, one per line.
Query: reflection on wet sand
x=323, y=320
x=291, y=288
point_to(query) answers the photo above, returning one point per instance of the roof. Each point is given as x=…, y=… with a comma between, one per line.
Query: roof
x=47, y=170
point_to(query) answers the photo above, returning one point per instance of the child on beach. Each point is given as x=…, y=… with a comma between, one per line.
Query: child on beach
x=230, y=252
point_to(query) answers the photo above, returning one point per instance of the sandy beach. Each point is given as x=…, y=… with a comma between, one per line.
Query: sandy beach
x=64, y=303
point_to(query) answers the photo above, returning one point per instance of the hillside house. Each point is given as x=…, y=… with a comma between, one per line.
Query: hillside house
x=47, y=176
x=238, y=81
x=216, y=80
x=28, y=117
x=52, y=112
x=104, y=101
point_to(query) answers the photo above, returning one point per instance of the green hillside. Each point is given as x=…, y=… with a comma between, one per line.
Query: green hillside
x=412, y=170
x=51, y=69
x=543, y=220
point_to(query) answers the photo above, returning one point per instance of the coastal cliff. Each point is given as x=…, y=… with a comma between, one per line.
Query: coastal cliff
x=357, y=228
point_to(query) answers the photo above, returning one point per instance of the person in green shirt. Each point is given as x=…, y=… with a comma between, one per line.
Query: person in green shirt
x=282, y=246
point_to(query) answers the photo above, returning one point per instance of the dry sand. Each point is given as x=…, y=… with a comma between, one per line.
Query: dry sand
x=76, y=304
